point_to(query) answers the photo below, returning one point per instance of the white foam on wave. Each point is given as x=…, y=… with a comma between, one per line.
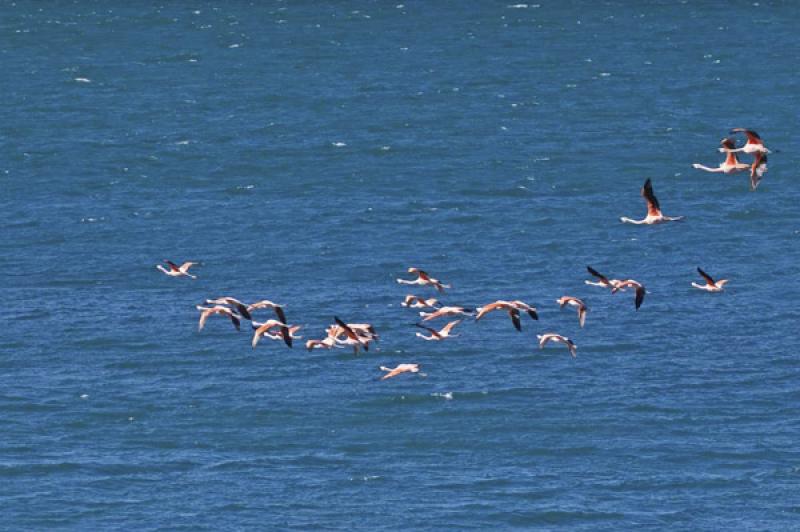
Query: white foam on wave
x=83, y=80
x=338, y=144
x=447, y=396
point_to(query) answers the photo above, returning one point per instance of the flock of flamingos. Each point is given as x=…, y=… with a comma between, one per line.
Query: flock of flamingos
x=360, y=335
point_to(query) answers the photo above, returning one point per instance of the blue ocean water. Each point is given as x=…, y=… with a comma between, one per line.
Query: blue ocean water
x=309, y=153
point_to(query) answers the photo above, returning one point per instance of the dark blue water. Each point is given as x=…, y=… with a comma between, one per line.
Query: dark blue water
x=309, y=153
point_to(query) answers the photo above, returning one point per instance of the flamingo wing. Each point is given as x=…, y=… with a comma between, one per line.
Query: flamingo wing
x=640, y=291
x=598, y=275
x=708, y=278
x=653, y=208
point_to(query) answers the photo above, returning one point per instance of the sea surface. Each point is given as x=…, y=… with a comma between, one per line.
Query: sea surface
x=309, y=153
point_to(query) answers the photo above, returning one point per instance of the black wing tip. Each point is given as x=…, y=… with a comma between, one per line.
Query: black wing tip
x=639, y=298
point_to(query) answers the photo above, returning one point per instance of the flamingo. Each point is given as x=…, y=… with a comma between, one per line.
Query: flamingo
x=575, y=302
x=401, y=368
x=355, y=335
x=417, y=302
x=263, y=329
x=731, y=165
x=654, y=215
x=233, y=302
x=438, y=335
x=177, y=271
x=513, y=308
x=552, y=337
x=446, y=311
x=266, y=303
x=630, y=283
x=280, y=334
x=328, y=342
x=602, y=280
x=753, y=145
x=424, y=279
x=711, y=285
x=207, y=312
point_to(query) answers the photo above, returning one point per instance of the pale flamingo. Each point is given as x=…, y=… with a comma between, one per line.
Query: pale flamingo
x=177, y=271
x=418, y=302
x=438, y=335
x=630, y=283
x=264, y=329
x=446, y=312
x=513, y=308
x=280, y=334
x=206, y=312
x=401, y=368
x=552, y=337
x=757, y=170
x=233, y=302
x=328, y=342
x=574, y=302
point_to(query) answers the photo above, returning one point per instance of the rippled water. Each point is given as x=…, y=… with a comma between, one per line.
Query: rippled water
x=309, y=153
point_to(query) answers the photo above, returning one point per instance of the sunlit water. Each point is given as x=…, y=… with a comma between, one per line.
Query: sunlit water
x=309, y=153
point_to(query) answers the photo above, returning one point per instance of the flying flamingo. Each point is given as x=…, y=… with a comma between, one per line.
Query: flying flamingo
x=401, y=368
x=654, y=215
x=177, y=271
x=711, y=285
x=557, y=338
x=575, y=302
x=424, y=279
x=438, y=335
x=630, y=283
x=731, y=165
x=513, y=308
